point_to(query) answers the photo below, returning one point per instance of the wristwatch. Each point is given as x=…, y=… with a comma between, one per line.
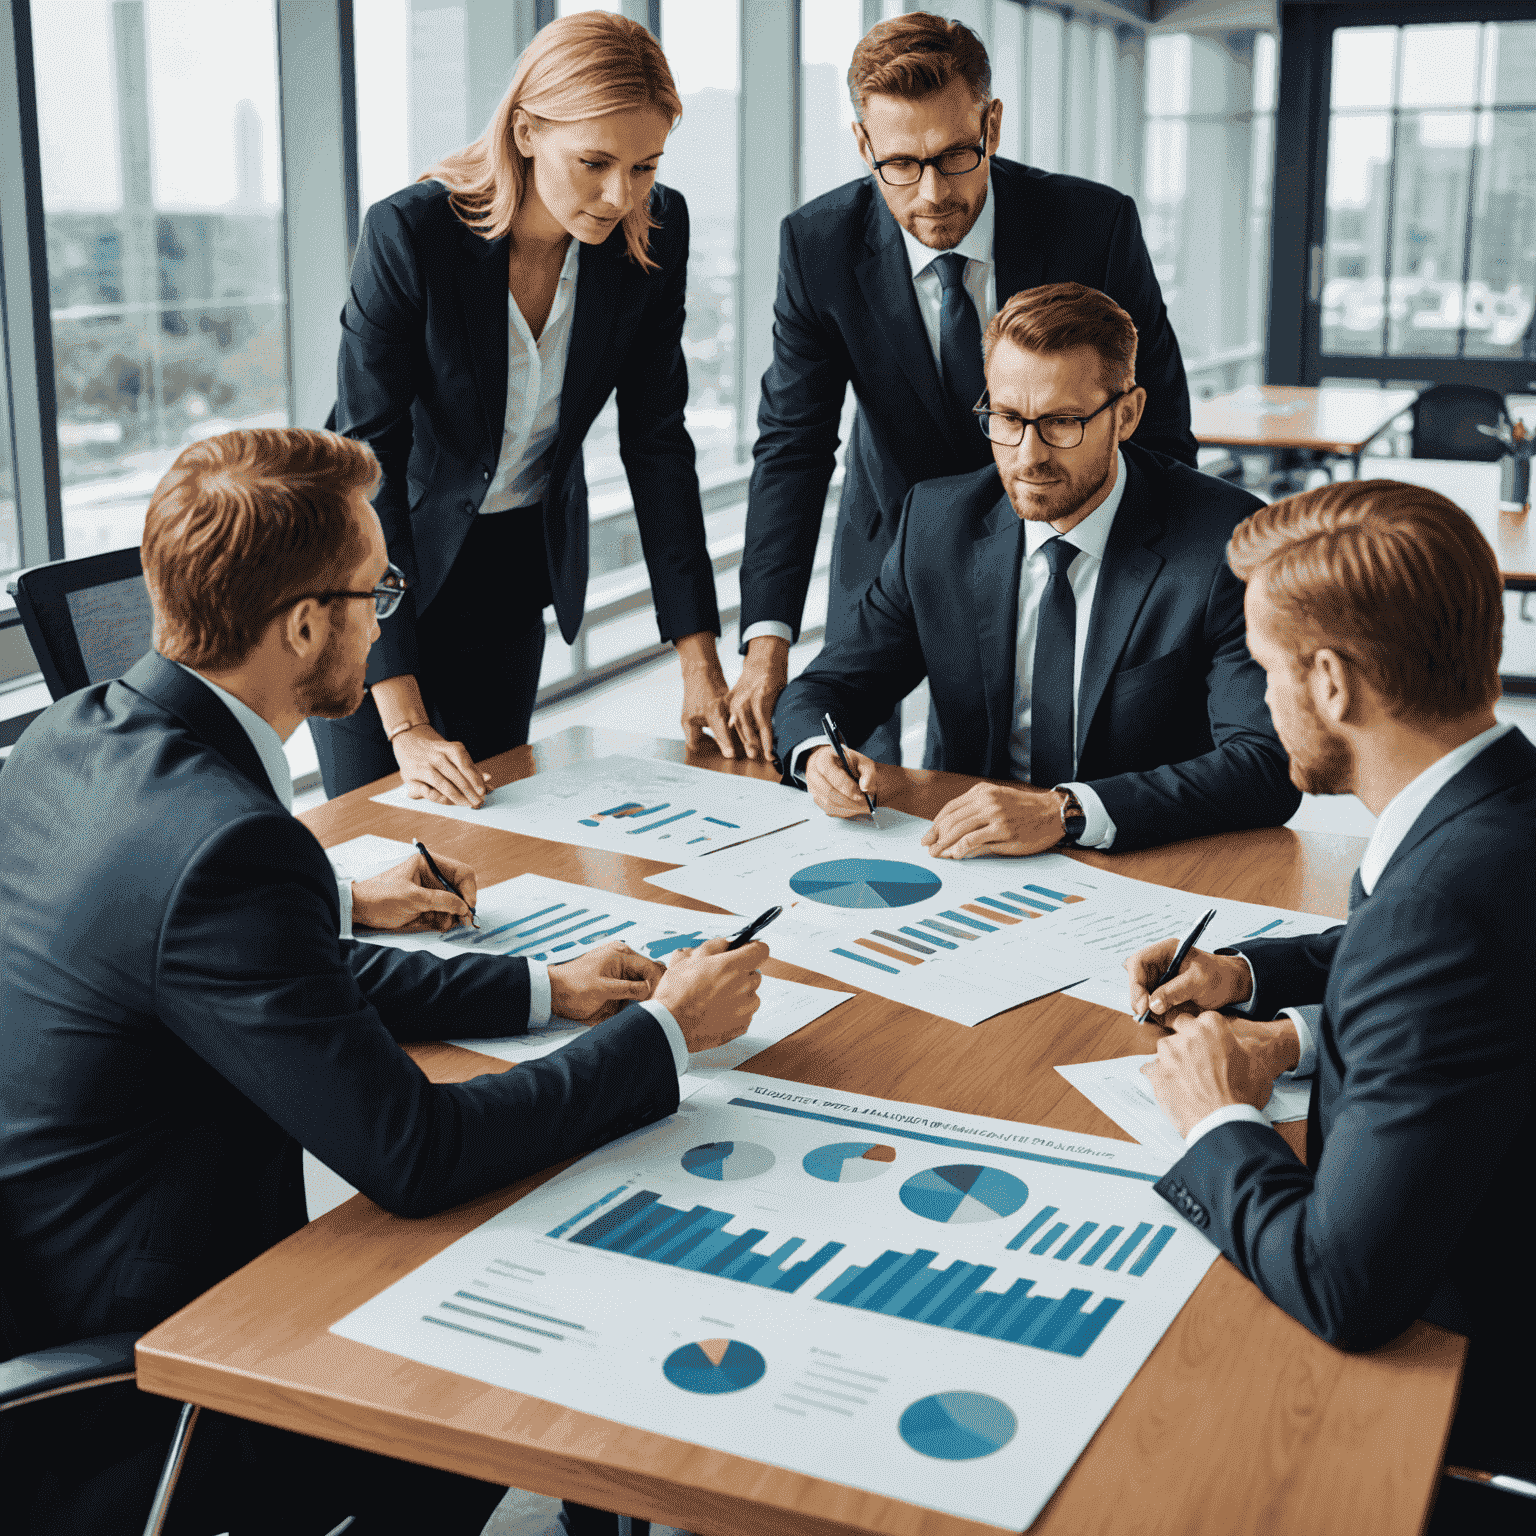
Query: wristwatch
x=1073, y=821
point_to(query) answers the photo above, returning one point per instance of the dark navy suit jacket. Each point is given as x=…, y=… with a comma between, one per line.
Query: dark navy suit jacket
x=1172, y=729
x=422, y=378
x=846, y=312
x=1417, y=1199
x=178, y=1017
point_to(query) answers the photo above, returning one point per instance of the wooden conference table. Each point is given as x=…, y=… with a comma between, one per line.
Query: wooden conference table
x=1239, y=1421
x=1328, y=420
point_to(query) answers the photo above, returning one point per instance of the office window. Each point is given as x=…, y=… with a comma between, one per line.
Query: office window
x=162, y=190
x=829, y=32
x=1430, y=239
x=1209, y=155
x=10, y=531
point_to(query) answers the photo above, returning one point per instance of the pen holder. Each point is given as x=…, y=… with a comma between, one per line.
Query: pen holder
x=1514, y=483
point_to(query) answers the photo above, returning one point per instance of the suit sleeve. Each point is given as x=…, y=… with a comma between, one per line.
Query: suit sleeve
x=1290, y=973
x=798, y=414
x=1434, y=1093
x=383, y=357
x=1131, y=282
x=657, y=451
x=251, y=976
x=1243, y=781
x=861, y=678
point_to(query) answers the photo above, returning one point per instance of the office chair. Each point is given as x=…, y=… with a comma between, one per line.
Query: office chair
x=98, y=1362
x=87, y=620
x=1446, y=419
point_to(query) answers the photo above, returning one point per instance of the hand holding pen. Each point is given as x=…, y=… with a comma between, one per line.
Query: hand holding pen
x=840, y=780
x=445, y=883
x=1207, y=981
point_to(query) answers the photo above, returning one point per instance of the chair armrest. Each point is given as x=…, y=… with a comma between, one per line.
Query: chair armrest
x=67, y=1368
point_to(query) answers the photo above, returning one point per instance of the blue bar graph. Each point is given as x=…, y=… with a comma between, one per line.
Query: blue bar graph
x=665, y=821
x=1265, y=929
x=848, y=954
x=906, y=1285
x=1033, y=901
x=694, y=1239
x=735, y=826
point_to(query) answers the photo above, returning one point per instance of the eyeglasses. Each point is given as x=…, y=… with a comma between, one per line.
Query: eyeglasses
x=386, y=596
x=905, y=171
x=1055, y=431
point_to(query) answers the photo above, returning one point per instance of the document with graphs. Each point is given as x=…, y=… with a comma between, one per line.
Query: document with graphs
x=764, y=1273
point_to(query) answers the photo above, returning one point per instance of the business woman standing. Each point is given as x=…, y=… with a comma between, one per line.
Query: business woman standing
x=494, y=307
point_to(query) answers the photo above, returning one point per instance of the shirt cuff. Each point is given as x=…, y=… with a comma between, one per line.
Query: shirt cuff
x=767, y=627
x=1223, y=1116
x=798, y=756
x=344, y=890
x=1100, y=831
x=1246, y=1009
x=538, y=994
x=672, y=1030
x=1307, y=1065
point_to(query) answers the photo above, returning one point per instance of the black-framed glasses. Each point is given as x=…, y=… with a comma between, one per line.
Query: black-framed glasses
x=1055, y=431
x=386, y=596
x=907, y=171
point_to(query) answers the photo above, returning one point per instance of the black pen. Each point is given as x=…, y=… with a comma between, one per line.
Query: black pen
x=835, y=736
x=441, y=878
x=1180, y=955
x=753, y=928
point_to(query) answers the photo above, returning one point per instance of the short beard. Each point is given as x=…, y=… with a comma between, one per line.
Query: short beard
x=1324, y=764
x=325, y=690
x=1057, y=514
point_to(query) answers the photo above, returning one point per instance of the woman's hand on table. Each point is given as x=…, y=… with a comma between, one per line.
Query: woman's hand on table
x=706, y=695
x=594, y=986
x=438, y=770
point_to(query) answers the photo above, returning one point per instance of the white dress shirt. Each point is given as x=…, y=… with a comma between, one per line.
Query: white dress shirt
x=980, y=280
x=269, y=748
x=535, y=374
x=1395, y=823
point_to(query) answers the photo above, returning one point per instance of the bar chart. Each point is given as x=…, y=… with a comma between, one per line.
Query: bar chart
x=1090, y=1243
x=638, y=811
x=907, y=1285
x=556, y=930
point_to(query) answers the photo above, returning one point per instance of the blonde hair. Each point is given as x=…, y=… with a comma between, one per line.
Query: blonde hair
x=579, y=67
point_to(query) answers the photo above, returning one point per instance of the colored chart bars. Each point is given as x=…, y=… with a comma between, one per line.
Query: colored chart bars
x=693, y=1239
x=1100, y=1242
x=905, y=1285
x=561, y=927
x=638, y=811
x=949, y=930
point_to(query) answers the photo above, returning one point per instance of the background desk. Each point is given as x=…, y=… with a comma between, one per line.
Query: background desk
x=1240, y=1420
x=1328, y=421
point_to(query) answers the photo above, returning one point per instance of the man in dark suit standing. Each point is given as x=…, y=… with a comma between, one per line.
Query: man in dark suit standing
x=178, y=1015
x=1073, y=612
x=1376, y=610
x=887, y=284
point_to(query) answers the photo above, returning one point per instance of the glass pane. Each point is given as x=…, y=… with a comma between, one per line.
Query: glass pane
x=1509, y=63
x=1434, y=156
x=162, y=192
x=381, y=48
x=10, y=530
x=1502, y=291
x=1439, y=66
x=1043, y=101
x=1008, y=84
x=1364, y=64
x=701, y=42
x=570, y=7
x=1359, y=158
x=1078, y=78
x=1266, y=72
x=829, y=30
x=1168, y=75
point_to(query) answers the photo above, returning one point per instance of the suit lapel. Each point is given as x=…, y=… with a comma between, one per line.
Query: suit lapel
x=1019, y=260
x=885, y=280
x=200, y=710
x=1126, y=577
x=599, y=288
x=996, y=562
x=482, y=283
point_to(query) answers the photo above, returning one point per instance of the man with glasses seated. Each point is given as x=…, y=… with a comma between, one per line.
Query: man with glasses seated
x=1073, y=612
x=886, y=284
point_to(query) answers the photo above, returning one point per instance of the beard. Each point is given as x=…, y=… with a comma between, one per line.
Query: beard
x=333, y=687
x=1322, y=763
x=1059, y=499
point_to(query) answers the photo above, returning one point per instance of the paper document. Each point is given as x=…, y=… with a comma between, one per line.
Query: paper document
x=763, y=1273
x=1120, y=1089
x=361, y=858
x=642, y=806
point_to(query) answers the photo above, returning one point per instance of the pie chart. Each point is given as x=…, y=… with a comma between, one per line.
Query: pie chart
x=848, y=1162
x=716, y=1365
x=957, y=1426
x=728, y=1160
x=963, y=1192
x=865, y=883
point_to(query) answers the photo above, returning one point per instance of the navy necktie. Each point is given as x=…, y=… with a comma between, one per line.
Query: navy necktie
x=1051, y=714
x=1356, y=892
x=959, y=343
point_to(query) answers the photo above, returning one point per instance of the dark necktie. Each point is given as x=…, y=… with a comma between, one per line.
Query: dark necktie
x=1314, y=1107
x=959, y=344
x=1356, y=892
x=1050, y=709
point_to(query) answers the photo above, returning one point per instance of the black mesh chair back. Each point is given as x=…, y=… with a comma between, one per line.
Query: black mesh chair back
x=87, y=620
x=1446, y=418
